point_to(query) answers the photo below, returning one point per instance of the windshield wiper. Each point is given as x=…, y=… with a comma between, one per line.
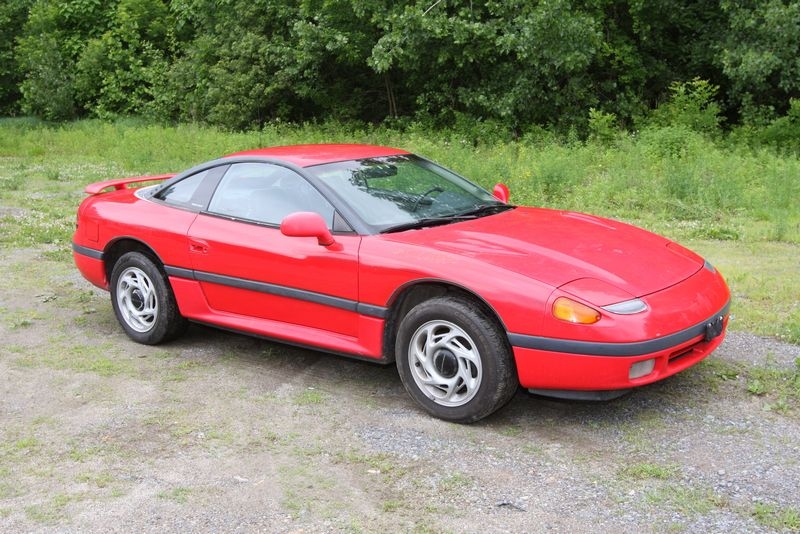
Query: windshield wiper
x=480, y=211
x=427, y=222
x=486, y=209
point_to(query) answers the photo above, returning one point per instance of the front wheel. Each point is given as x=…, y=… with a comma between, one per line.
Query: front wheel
x=143, y=300
x=454, y=360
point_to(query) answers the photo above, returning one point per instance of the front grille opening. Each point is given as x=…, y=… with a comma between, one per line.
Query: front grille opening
x=680, y=353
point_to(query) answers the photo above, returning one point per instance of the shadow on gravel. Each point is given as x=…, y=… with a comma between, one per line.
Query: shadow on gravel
x=339, y=375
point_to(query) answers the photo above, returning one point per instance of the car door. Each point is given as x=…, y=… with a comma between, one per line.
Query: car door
x=246, y=266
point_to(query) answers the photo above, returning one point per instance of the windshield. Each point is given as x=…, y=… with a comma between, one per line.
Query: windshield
x=395, y=191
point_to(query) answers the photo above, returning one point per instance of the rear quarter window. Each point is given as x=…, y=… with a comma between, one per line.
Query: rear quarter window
x=185, y=192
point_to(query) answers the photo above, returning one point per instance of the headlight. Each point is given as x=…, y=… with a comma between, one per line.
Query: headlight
x=628, y=307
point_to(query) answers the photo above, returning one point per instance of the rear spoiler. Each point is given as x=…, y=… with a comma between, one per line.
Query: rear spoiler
x=122, y=183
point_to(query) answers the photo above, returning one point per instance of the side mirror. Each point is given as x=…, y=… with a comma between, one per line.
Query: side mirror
x=501, y=193
x=307, y=224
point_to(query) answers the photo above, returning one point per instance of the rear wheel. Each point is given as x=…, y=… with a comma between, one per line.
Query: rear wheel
x=454, y=360
x=143, y=300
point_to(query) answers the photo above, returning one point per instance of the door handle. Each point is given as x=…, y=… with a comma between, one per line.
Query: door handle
x=198, y=247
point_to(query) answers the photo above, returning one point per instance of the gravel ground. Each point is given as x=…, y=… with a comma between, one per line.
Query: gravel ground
x=223, y=433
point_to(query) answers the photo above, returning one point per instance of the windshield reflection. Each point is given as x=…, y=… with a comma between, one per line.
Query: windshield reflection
x=397, y=190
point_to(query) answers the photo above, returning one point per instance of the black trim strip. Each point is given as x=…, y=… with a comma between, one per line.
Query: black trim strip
x=179, y=272
x=372, y=310
x=86, y=251
x=592, y=348
x=282, y=291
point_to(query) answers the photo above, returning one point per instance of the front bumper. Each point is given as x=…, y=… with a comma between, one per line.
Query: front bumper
x=564, y=365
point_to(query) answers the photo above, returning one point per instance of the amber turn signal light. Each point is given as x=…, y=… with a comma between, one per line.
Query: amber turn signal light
x=574, y=312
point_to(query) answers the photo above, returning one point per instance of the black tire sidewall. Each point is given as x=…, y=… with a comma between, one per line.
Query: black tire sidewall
x=499, y=380
x=168, y=321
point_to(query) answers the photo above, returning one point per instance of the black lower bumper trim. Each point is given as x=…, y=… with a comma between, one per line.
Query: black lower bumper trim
x=638, y=348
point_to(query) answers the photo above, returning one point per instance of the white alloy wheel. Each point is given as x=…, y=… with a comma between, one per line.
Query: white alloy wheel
x=445, y=363
x=137, y=299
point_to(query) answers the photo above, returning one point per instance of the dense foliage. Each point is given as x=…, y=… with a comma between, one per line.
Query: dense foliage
x=509, y=66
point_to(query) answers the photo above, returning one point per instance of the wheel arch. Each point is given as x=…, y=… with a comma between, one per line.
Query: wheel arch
x=405, y=298
x=121, y=246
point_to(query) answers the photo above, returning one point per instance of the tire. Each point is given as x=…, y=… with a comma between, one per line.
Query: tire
x=143, y=301
x=455, y=361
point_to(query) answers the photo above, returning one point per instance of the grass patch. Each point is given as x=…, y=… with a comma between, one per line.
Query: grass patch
x=301, y=485
x=454, y=483
x=511, y=431
x=375, y=463
x=178, y=495
x=21, y=319
x=309, y=397
x=181, y=370
x=644, y=471
x=100, y=480
x=7, y=489
x=715, y=372
x=24, y=444
x=99, y=358
x=52, y=511
x=688, y=502
x=781, y=385
x=765, y=285
x=392, y=506
x=778, y=518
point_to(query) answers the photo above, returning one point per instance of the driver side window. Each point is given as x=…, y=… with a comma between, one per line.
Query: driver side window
x=266, y=193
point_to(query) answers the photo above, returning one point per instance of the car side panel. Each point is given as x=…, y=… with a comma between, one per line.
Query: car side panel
x=161, y=227
x=255, y=271
x=388, y=267
x=105, y=219
x=368, y=344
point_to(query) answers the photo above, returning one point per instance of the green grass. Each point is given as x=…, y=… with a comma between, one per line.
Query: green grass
x=309, y=397
x=19, y=446
x=735, y=205
x=781, y=386
x=687, y=501
x=764, y=278
x=178, y=495
x=454, y=483
x=643, y=471
x=98, y=357
x=785, y=519
x=51, y=511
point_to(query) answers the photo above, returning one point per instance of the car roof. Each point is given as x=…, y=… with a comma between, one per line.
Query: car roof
x=308, y=155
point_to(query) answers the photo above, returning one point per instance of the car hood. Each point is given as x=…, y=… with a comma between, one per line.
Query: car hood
x=559, y=247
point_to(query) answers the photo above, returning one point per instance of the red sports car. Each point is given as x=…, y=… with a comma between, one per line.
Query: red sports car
x=379, y=254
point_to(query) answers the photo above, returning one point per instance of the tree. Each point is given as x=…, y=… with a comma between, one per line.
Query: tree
x=52, y=38
x=117, y=71
x=513, y=61
x=761, y=56
x=13, y=14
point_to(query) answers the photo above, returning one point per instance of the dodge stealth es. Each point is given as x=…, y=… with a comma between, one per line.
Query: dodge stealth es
x=376, y=253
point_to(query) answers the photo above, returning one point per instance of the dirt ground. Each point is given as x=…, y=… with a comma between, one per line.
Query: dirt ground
x=225, y=433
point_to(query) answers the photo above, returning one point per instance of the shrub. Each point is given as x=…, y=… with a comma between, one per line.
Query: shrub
x=602, y=126
x=784, y=133
x=691, y=105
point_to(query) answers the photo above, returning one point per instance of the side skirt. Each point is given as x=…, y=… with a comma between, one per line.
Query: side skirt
x=349, y=355
x=368, y=345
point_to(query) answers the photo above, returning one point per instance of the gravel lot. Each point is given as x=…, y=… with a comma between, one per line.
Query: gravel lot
x=224, y=433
